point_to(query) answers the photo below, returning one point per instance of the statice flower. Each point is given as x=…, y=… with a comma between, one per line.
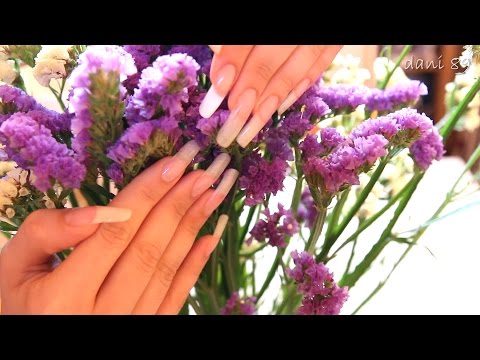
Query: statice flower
x=296, y=124
x=275, y=227
x=210, y=126
x=343, y=97
x=32, y=146
x=321, y=294
x=312, y=104
x=137, y=148
x=260, y=177
x=144, y=56
x=427, y=149
x=307, y=211
x=201, y=53
x=237, y=306
x=96, y=63
x=278, y=145
x=162, y=88
x=405, y=93
x=13, y=99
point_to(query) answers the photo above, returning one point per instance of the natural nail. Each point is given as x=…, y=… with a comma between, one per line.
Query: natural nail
x=236, y=120
x=217, y=92
x=294, y=95
x=97, y=215
x=258, y=121
x=177, y=164
x=220, y=227
x=228, y=180
x=211, y=175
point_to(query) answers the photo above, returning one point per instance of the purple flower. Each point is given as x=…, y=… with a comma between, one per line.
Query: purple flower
x=201, y=53
x=94, y=60
x=311, y=147
x=386, y=126
x=261, y=177
x=427, y=149
x=401, y=94
x=52, y=120
x=144, y=56
x=13, y=100
x=162, y=88
x=307, y=212
x=211, y=125
x=278, y=145
x=312, y=104
x=275, y=227
x=237, y=306
x=32, y=147
x=414, y=124
x=296, y=124
x=321, y=294
x=343, y=97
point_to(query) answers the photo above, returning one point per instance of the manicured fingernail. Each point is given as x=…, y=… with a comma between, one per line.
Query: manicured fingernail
x=294, y=95
x=258, y=121
x=228, y=180
x=211, y=175
x=97, y=215
x=237, y=118
x=217, y=91
x=177, y=164
x=216, y=49
x=221, y=225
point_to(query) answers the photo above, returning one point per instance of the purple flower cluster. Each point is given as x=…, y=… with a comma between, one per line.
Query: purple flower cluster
x=94, y=60
x=260, y=177
x=343, y=97
x=428, y=148
x=162, y=88
x=32, y=146
x=201, y=53
x=237, y=306
x=275, y=227
x=401, y=94
x=144, y=56
x=321, y=294
x=210, y=126
x=307, y=212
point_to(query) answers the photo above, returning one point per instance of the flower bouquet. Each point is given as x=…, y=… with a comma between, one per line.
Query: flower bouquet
x=307, y=181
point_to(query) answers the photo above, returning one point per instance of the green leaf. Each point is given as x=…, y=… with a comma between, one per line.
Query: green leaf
x=4, y=226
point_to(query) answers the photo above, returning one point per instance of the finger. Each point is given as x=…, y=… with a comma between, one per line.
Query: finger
x=216, y=48
x=223, y=73
x=312, y=76
x=30, y=250
x=181, y=243
x=132, y=272
x=188, y=273
x=260, y=67
x=292, y=72
x=97, y=255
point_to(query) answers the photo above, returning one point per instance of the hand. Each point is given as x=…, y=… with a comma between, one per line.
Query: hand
x=135, y=256
x=260, y=79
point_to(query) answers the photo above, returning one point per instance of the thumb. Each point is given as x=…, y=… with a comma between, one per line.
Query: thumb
x=48, y=231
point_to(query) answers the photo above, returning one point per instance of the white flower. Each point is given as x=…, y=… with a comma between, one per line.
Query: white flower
x=8, y=189
x=46, y=70
x=53, y=52
x=10, y=213
x=346, y=70
x=6, y=166
x=7, y=71
x=23, y=192
x=382, y=65
x=3, y=52
x=5, y=201
x=49, y=204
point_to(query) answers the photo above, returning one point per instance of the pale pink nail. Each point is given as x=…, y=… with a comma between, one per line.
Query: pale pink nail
x=228, y=180
x=229, y=131
x=96, y=215
x=294, y=95
x=216, y=49
x=177, y=164
x=211, y=175
x=221, y=225
x=258, y=121
x=217, y=92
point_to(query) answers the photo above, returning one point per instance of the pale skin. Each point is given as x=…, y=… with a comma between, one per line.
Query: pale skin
x=138, y=255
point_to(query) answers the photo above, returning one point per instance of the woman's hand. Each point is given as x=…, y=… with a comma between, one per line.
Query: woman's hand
x=260, y=79
x=135, y=256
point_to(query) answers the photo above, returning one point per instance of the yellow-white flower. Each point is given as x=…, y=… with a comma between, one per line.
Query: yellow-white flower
x=7, y=71
x=8, y=189
x=50, y=63
x=6, y=166
x=346, y=70
x=382, y=66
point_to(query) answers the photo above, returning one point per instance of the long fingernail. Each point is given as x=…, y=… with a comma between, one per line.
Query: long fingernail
x=216, y=49
x=221, y=225
x=217, y=91
x=96, y=215
x=177, y=164
x=211, y=175
x=221, y=191
x=229, y=131
x=294, y=95
x=258, y=121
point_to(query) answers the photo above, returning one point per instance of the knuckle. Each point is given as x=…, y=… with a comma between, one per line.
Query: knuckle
x=286, y=82
x=147, y=256
x=148, y=195
x=180, y=208
x=115, y=234
x=263, y=71
x=165, y=272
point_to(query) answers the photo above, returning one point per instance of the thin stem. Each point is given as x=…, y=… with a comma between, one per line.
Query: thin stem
x=297, y=193
x=245, y=227
x=317, y=230
x=193, y=303
x=337, y=210
x=253, y=252
x=404, y=53
x=270, y=275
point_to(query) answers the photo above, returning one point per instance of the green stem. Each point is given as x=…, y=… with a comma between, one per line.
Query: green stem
x=196, y=307
x=337, y=211
x=253, y=252
x=245, y=227
x=317, y=230
x=297, y=193
x=404, y=53
x=73, y=199
x=270, y=275
x=351, y=279
x=364, y=225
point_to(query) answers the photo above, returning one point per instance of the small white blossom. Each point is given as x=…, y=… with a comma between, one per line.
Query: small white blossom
x=7, y=71
x=10, y=213
x=8, y=189
x=382, y=65
x=23, y=191
x=50, y=63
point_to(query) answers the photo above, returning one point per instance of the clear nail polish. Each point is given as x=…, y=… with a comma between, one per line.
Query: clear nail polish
x=228, y=180
x=217, y=92
x=96, y=215
x=177, y=164
x=294, y=95
x=211, y=175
